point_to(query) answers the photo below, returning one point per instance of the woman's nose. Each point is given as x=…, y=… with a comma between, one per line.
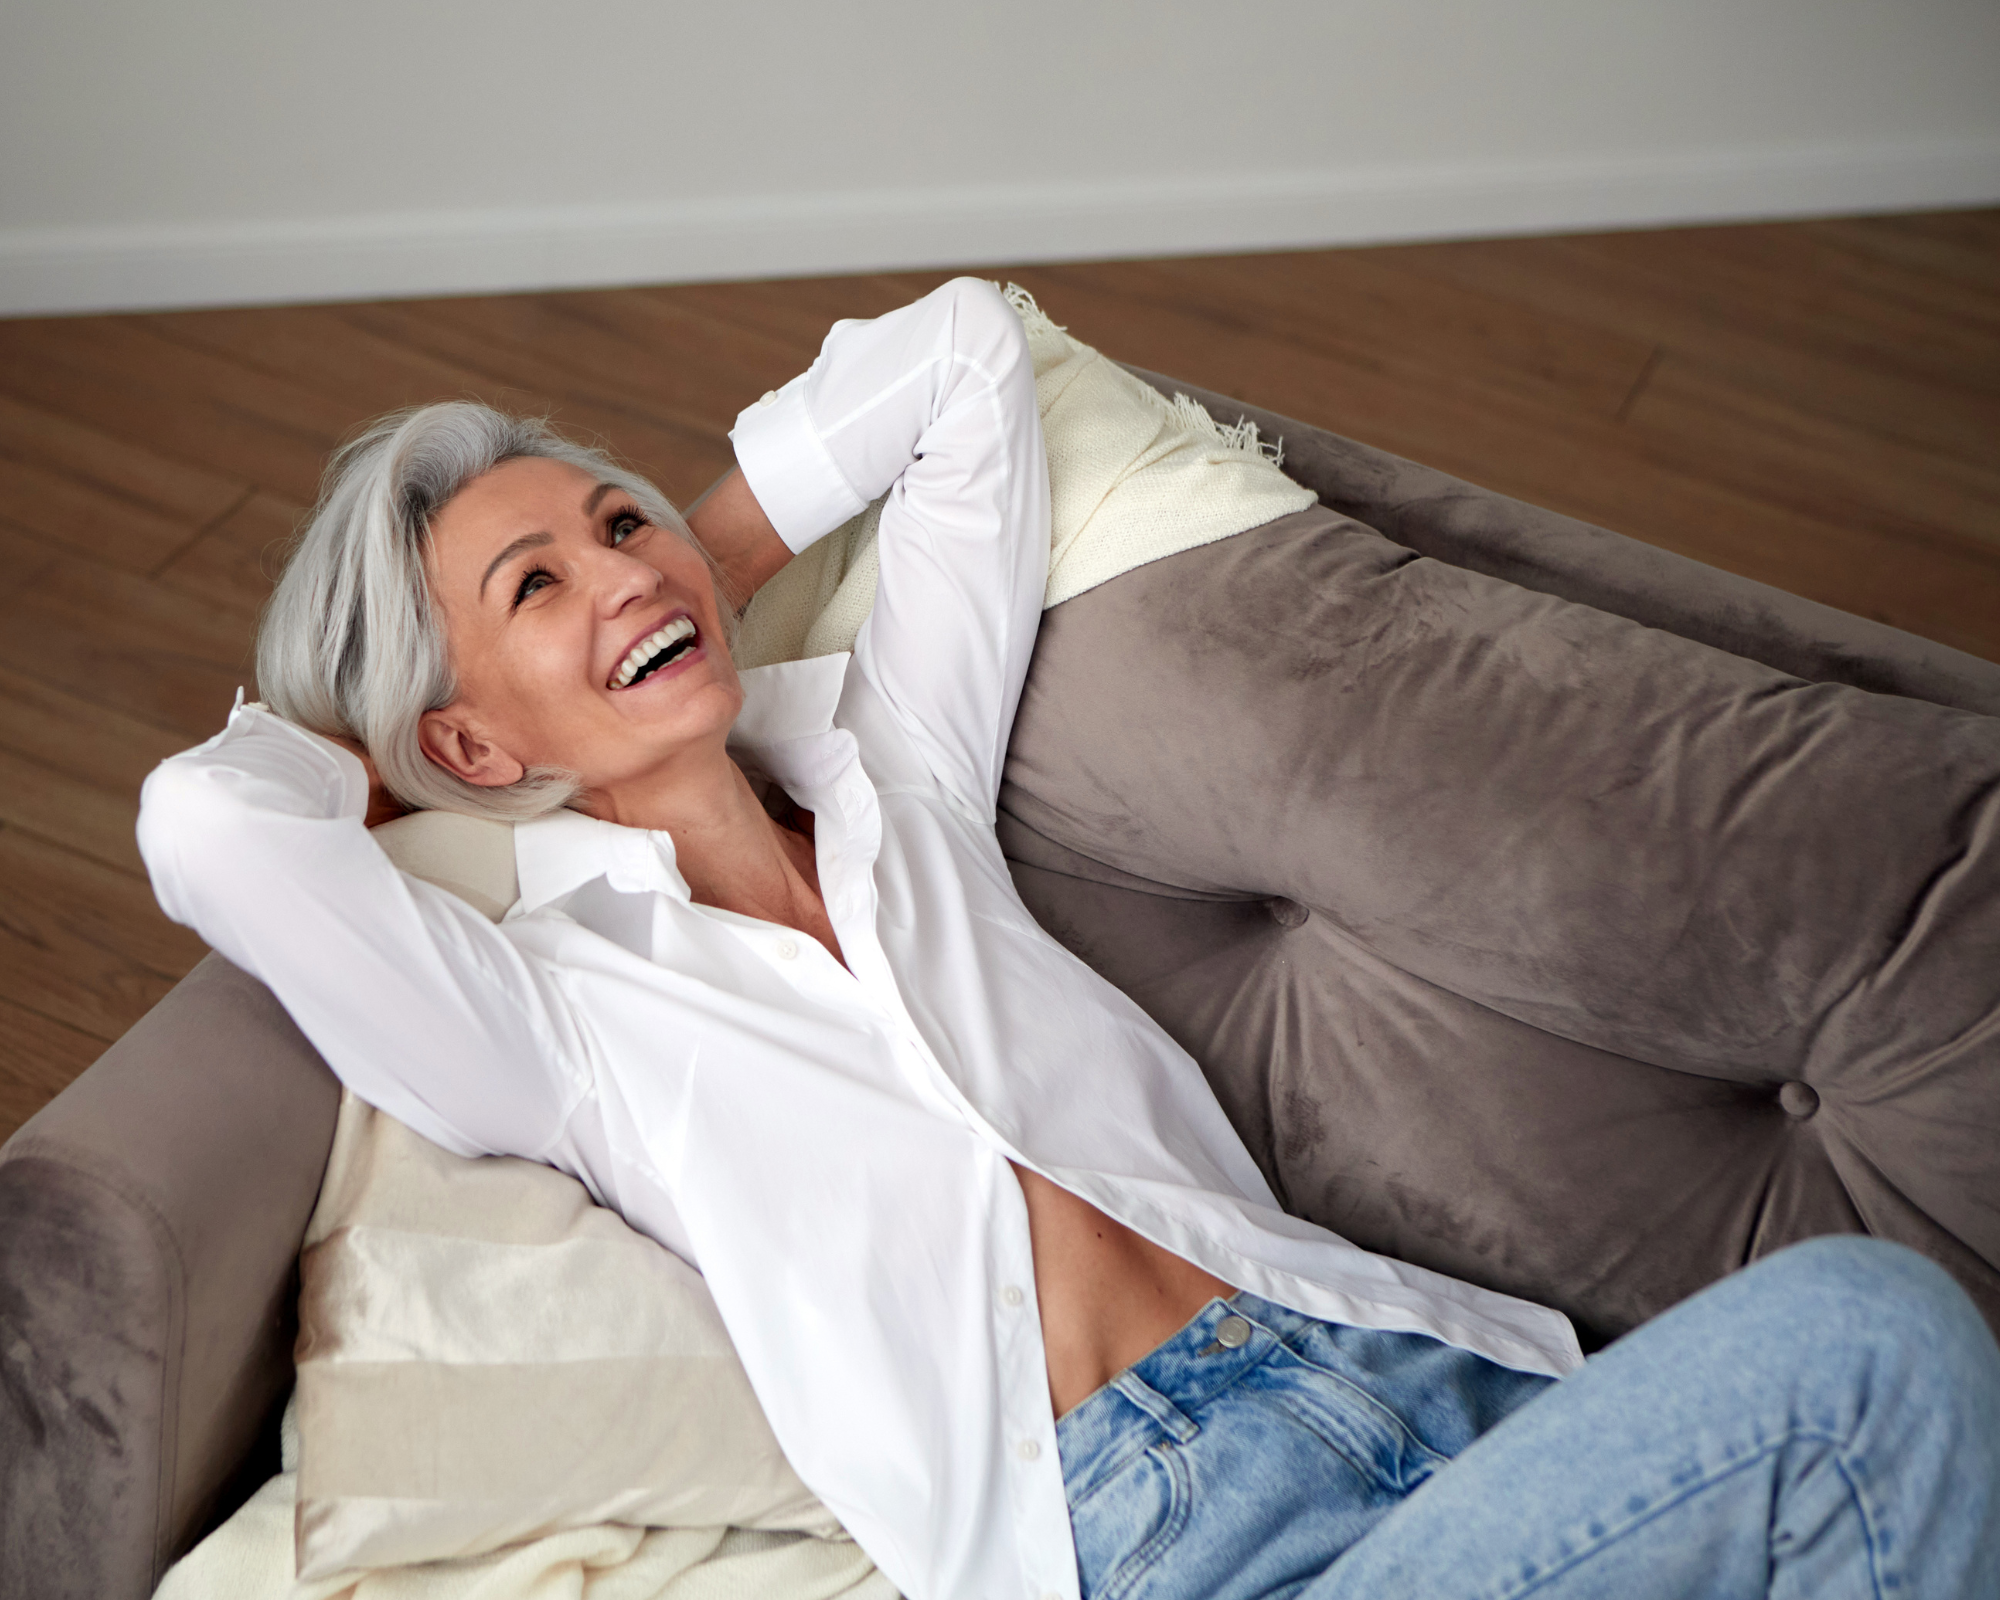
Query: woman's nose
x=622, y=580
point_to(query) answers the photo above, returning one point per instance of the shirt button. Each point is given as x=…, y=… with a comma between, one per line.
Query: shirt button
x=788, y=949
x=1028, y=1450
x=768, y=398
x=1011, y=1296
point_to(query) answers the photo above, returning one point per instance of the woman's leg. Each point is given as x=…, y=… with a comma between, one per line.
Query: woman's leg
x=1820, y=1426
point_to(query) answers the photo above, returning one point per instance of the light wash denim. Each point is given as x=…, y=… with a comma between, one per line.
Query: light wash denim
x=1824, y=1425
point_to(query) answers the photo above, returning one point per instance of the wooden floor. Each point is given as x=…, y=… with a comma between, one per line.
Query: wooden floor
x=1816, y=405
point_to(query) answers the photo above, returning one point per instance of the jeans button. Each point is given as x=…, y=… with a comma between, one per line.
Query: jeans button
x=1232, y=1333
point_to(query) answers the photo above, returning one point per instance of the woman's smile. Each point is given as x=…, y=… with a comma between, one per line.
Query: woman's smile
x=674, y=645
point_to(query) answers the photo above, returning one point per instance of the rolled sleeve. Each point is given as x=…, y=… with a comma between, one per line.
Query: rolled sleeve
x=789, y=468
x=932, y=406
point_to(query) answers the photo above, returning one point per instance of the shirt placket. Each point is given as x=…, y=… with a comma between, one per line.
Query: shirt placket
x=1034, y=1467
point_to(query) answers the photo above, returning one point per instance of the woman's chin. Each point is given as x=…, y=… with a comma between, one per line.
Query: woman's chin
x=663, y=733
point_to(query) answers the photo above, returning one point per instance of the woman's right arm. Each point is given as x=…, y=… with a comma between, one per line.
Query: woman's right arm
x=419, y=1004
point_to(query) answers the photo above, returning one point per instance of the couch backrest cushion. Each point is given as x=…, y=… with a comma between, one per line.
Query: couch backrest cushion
x=1560, y=953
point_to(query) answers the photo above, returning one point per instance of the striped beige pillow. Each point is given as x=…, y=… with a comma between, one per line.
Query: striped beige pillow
x=486, y=1356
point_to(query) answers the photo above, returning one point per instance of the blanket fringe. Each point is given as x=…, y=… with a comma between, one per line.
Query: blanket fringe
x=1239, y=438
x=1034, y=319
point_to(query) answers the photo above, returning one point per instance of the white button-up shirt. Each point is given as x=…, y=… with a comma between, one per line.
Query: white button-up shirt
x=829, y=1147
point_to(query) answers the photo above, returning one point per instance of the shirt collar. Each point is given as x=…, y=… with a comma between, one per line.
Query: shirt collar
x=789, y=700
x=558, y=854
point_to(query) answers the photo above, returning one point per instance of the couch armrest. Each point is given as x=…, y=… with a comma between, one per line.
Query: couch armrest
x=150, y=1219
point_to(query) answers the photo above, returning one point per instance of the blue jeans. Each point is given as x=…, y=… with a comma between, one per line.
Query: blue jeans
x=1824, y=1424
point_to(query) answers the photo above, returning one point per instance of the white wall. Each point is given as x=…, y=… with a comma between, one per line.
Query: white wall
x=213, y=151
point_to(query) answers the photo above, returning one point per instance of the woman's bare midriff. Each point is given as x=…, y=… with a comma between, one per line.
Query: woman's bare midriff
x=1107, y=1296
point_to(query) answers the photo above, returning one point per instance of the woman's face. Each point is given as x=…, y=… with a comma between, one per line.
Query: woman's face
x=582, y=636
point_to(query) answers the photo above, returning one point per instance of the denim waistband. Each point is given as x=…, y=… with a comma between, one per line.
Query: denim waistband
x=1189, y=1369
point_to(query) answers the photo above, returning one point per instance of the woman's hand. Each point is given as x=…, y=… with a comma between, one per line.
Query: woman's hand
x=731, y=527
x=382, y=805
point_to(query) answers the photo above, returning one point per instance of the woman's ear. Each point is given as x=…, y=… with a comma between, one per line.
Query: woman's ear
x=457, y=746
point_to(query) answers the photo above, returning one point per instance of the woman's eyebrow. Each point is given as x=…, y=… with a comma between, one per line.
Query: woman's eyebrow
x=533, y=541
x=527, y=541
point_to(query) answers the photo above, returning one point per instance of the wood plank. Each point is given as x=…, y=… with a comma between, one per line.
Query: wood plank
x=1937, y=259
x=1810, y=291
x=371, y=359
x=26, y=556
x=1705, y=424
x=62, y=809
x=789, y=318
x=680, y=454
x=1756, y=343
x=92, y=743
x=188, y=404
x=128, y=644
x=1354, y=308
x=68, y=512
x=80, y=943
x=319, y=349
x=70, y=771
x=39, y=1058
x=118, y=466
x=685, y=365
x=1964, y=245
x=236, y=562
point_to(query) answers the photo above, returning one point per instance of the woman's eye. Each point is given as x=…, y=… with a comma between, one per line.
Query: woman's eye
x=624, y=525
x=531, y=585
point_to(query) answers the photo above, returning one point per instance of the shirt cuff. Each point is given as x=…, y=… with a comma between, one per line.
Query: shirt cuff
x=342, y=780
x=789, y=468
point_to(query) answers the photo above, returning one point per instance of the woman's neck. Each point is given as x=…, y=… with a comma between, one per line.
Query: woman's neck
x=731, y=852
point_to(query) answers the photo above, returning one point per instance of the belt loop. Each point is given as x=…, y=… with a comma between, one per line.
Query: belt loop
x=1156, y=1405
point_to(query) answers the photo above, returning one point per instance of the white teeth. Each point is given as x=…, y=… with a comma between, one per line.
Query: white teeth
x=642, y=652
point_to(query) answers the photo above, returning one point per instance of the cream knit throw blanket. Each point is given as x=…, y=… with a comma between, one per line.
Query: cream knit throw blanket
x=1133, y=477
x=250, y=1558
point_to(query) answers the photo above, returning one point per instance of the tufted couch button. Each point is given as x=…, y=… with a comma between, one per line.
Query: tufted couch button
x=1800, y=1100
x=1287, y=913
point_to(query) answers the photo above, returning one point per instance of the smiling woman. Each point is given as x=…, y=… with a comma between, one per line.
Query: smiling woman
x=450, y=547
x=1019, y=1303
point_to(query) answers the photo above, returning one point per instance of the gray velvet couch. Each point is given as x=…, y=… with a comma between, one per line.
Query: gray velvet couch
x=1553, y=911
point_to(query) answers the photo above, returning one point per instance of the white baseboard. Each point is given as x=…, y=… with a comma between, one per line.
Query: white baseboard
x=44, y=271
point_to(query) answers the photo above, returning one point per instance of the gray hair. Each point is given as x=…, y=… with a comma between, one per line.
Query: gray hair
x=351, y=642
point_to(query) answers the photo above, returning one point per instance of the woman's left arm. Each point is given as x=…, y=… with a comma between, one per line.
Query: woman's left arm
x=731, y=526
x=934, y=403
